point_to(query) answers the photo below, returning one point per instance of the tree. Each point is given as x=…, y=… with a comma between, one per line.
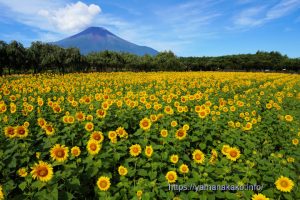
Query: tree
x=16, y=56
x=34, y=55
x=168, y=61
x=3, y=56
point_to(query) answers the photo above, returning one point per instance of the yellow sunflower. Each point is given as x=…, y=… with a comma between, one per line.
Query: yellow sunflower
x=98, y=136
x=225, y=149
x=1, y=193
x=202, y=114
x=42, y=171
x=145, y=124
x=21, y=131
x=121, y=132
x=180, y=134
x=168, y=110
x=174, y=123
x=122, y=170
x=248, y=126
x=295, y=141
x=184, y=168
x=259, y=197
x=59, y=153
x=80, y=116
x=75, y=151
x=89, y=117
x=22, y=172
x=70, y=119
x=89, y=126
x=41, y=122
x=135, y=150
x=101, y=113
x=112, y=135
x=148, y=151
x=65, y=119
x=233, y=153
x=171, y=176
x=9, y=131
x=37, y=155
x=93, y=147
x=186, y=127
x=164, y=133
x=290, y=159
x=49, y=129
x=26, y=124
x=198, y=156
x=139, y=194
x=214, y=156
x=174, y=159
x=284, y=184
x=103, y=183
x=288, y=118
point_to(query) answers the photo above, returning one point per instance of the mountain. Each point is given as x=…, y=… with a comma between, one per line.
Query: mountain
x=95, y=39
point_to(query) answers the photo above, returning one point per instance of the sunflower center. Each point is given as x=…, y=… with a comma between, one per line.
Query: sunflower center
x=93, y=147
x=171, y=177
x=75, y=151
x=21, y=132
x=198, y=157
x=103, y=184
x=49, y=128
x=145, y=123
x=135, y=150
x=11, y=131
x=43, y=172
x=60, y=153
x=284, y=184
x=180, y=133
x=89, y=126
x=97, y=137
x=233, y=153
x=148, y=151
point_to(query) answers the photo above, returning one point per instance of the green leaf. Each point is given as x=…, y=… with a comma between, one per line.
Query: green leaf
x=116, y=156
x=152, y=175
x=287, y=196
x=22, y=185
x=202, y=146
x=75, y=181
x=142, y=172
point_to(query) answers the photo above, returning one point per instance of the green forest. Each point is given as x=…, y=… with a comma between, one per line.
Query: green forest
x=43, y=57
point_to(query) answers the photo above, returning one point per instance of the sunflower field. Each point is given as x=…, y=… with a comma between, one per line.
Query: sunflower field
x=132, y=135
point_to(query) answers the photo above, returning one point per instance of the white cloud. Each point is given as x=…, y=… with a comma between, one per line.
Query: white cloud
x=250, y=17
x=283, y=8
x=259, y=15
x=51, y=15
x=73, y=17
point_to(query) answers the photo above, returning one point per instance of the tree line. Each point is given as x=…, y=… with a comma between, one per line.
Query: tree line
x=44, y=57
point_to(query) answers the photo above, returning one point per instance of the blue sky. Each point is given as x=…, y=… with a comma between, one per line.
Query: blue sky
x=188, y=28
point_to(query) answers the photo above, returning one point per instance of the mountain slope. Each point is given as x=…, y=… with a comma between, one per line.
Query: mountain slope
x=95, y=39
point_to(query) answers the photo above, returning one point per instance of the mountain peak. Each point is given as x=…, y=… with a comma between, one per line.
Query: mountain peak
x=95, y=39
x=93, y=30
